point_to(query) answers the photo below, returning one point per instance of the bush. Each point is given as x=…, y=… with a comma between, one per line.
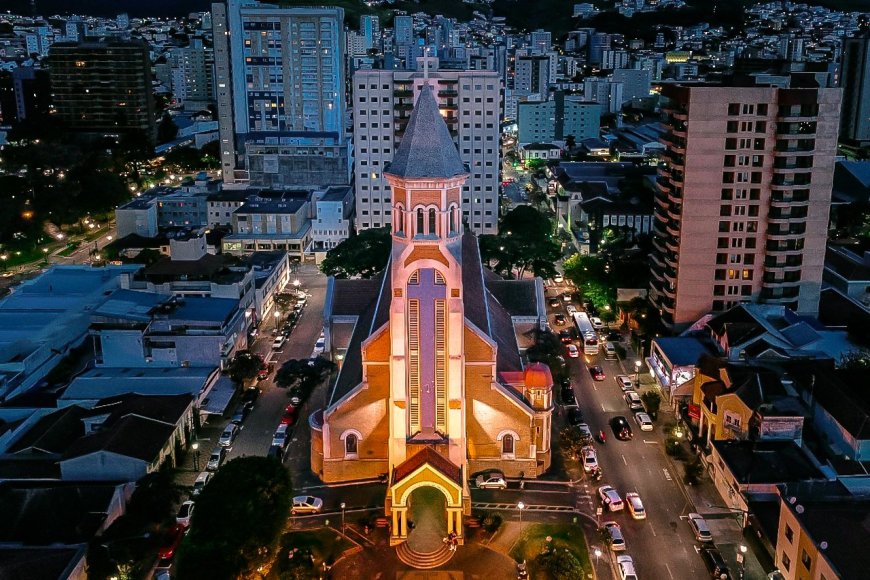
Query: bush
x=693, y=471
x=560, y=564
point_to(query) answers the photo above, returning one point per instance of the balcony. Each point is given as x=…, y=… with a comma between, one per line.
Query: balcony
x=448, y=93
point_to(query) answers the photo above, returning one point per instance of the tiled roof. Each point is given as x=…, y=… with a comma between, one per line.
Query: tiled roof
x=426, y=149
x=518, y=297
x=428, y=456
x=131, y=436
x=53, y=433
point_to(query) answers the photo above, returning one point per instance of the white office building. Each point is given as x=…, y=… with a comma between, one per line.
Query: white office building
x=280, y=91
x=471, y=104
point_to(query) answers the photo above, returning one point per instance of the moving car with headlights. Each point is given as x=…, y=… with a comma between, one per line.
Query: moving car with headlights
x=635, y=506
x=621, y=428
x=597, y=373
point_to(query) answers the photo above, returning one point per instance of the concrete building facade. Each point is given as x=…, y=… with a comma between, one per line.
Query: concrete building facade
x=743, y=198
x=470, y=102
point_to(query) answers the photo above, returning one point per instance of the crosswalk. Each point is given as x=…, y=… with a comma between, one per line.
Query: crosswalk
x=513, y=506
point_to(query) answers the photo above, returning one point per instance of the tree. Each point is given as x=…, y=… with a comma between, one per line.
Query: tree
x=239, y=514
x=364, y=255
x=652, y=400
x=572, y=440
x=547, y=349
x=303, y=375
x=590, y=275
x=560, y=564
x=524, y=242
x=570, y=142
x=167, y=130
x=244, y=366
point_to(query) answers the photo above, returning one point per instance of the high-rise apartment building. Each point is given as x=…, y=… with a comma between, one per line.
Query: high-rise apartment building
x=403, y=30
x=280, y=90
x=103, y=86
x=534, y=73
x=193, y=75
x=855, y=75
x=370, y=29
x=470, y=102
x=743, y=198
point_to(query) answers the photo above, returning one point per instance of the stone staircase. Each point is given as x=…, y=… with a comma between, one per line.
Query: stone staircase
x=424, y=560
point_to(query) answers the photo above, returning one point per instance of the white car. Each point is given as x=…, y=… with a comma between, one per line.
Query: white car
x=572, y=351
x=185, y=512
x=201, y=481
x=279, y=342
x=229, y=435
x=596, y=322
x=306, y=504
x=644, y=421
x=700, y=527
x=610, y=498
x=590, y=459
x=635, y=506
x=624, y=382
x=617, y=541
x=490, y=481
x=626, y=568
x=319, y=346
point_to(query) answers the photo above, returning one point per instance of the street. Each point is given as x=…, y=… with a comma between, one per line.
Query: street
x=662, y=545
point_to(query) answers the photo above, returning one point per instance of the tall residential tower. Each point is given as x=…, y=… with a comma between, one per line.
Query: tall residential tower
x=280, y=90
x=743, y=198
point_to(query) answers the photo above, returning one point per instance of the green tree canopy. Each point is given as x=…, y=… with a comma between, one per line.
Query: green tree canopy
x=238, y=516
x=303, y=374
x=560, y=564
x=364, y=254
x=590, y=275
x=652, y=400
x=524, y=242
x=244, y=365
x=167, y=130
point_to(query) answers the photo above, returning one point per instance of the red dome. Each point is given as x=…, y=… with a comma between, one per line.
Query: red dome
x=537, y=376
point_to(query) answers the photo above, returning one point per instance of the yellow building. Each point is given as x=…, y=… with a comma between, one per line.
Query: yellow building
x=432, y=387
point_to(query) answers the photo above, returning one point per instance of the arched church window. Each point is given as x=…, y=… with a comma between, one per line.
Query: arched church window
x=432, y=231
x=507, y=445
x=350, y=445
x=398, y=220
x=452, y=220
x=419, y=231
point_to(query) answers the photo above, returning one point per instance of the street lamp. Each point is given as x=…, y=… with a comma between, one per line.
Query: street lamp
x=195, y=447
x=637, y=365
x=741, y=559
x=343, y=505
x=597, y=555
x=521, y=506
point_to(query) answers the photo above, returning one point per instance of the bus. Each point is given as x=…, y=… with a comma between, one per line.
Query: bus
x=587, y=333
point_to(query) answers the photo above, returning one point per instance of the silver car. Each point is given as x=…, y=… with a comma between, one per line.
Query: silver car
x=490, y=481
x=617, y=541
x=229, y=435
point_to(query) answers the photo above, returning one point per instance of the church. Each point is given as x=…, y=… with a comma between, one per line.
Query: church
x=432, y=387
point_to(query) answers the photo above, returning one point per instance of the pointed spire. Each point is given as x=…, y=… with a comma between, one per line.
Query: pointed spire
x=426, y=149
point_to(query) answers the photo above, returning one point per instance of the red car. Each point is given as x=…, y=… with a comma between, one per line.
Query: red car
x=264, y=372
x=171, y=542
x=289, y=416
x=597, y=373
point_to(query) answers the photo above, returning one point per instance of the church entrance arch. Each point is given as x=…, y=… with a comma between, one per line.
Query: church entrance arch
x=427, y=518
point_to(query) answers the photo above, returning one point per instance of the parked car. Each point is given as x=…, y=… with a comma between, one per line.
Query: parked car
x=572, y=351
x=575, y=416
x=570, y=309
x=229, y=435
x=626, y=567
x=280, y=437
x=185, y=512
x=289, y=416
x=585, y=431
x=632, y=399
x=617, y=541
x=715, y=563
x=251, y=395
x=565, y=336
x=264, y=372
x=644, y=421
x=241, y=414
x=621, y=428
x=491, y=480
x=624, y=382
x=610, y=498
x=201, y=481
x=276, y=451
x=635, y=505
x=590, y=458
x=569, y=399
x=700, y=528
x=560, y=319
x=171, y=542
x=613, y=336
x=216, y=458
x=596, y=322
x=306, y=504
x=278, y=342
x=597, y=373
x=319, y=346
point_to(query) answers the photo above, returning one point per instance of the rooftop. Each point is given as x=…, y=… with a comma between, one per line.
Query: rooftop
x=761, y=462
x=683, y=350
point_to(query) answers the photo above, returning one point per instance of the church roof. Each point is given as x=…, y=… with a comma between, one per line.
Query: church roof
x=434, y=459
x=426, y=149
